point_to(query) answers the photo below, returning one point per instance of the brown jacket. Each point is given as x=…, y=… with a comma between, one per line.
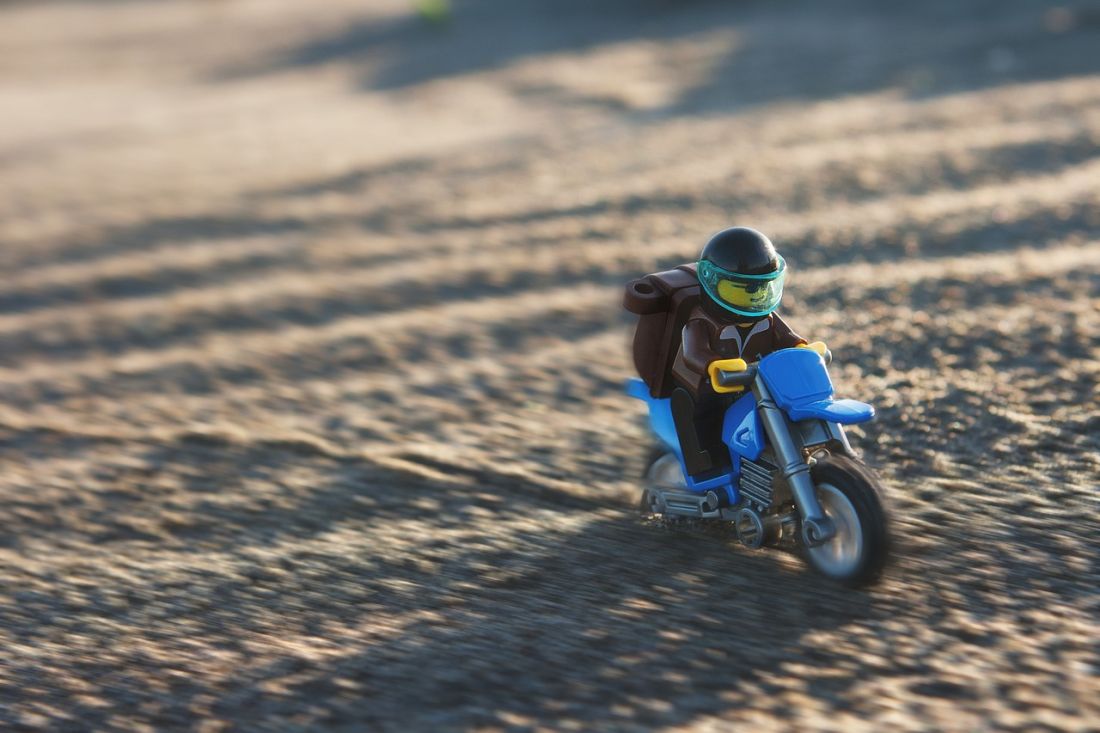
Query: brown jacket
x=706, y=338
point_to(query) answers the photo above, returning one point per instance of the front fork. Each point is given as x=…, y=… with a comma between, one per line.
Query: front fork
x=816, y=527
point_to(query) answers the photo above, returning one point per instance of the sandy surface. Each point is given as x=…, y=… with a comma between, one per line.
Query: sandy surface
x=311, y=355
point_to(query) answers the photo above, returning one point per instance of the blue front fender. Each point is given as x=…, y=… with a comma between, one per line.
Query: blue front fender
x=845, y=412
x=800, y=385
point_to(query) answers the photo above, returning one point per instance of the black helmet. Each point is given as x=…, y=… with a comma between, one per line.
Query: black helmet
x=742, y=273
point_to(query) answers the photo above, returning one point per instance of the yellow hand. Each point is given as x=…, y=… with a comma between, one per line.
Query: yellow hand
x=726, y=365
x=818, y=346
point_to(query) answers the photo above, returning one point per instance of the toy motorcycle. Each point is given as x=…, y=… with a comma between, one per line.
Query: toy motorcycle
x=794, y=478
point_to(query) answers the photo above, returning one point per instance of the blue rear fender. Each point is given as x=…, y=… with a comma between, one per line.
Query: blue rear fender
x=660, y=422
x=660, y=415
x=800, y=385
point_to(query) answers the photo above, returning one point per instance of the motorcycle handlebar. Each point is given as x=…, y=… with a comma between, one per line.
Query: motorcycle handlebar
x=737, y=379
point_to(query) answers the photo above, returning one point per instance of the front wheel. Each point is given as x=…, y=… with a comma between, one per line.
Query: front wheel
x=850, y=495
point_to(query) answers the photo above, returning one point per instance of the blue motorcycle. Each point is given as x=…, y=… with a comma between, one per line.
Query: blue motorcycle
x=793, y=480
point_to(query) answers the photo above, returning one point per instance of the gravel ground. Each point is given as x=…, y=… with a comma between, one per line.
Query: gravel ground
x=311, y=361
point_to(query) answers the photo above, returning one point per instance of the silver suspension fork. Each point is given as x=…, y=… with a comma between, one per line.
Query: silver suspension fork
x=816, y=527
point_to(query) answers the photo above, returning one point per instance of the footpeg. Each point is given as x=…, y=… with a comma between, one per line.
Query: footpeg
x=684, y=504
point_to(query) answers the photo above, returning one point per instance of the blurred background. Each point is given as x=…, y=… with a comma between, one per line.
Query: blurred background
x=311, y=355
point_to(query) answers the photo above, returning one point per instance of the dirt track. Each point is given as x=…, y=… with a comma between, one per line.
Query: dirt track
x=311, y=355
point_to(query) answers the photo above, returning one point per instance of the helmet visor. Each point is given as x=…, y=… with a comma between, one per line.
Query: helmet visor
x=746, y=295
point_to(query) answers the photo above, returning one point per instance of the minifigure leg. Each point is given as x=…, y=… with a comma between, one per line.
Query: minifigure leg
x=696, y=459
x=709, y=415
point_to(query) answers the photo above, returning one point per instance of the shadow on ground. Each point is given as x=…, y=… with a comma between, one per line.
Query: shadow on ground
x=557, y=615
x=570, y=610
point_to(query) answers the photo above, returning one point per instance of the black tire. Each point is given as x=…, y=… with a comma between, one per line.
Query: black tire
x=645, y=503
x=838, y=476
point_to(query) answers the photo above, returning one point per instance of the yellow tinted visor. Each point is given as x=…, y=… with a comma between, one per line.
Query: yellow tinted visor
x=746, y=295
x=750, y=296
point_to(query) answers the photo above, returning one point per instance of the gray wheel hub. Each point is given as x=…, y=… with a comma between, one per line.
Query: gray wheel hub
x=840, y=556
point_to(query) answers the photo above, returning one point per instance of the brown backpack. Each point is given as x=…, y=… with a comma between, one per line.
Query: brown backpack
x=663, y=301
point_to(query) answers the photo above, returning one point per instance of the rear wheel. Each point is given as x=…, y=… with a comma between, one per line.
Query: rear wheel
x=850, y=495
x=662, y=470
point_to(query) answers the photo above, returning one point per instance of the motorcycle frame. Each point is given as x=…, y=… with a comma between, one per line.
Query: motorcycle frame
x=791, y=442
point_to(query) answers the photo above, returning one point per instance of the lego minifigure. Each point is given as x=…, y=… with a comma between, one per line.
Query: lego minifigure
x=741, y=284
x=747, y=428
